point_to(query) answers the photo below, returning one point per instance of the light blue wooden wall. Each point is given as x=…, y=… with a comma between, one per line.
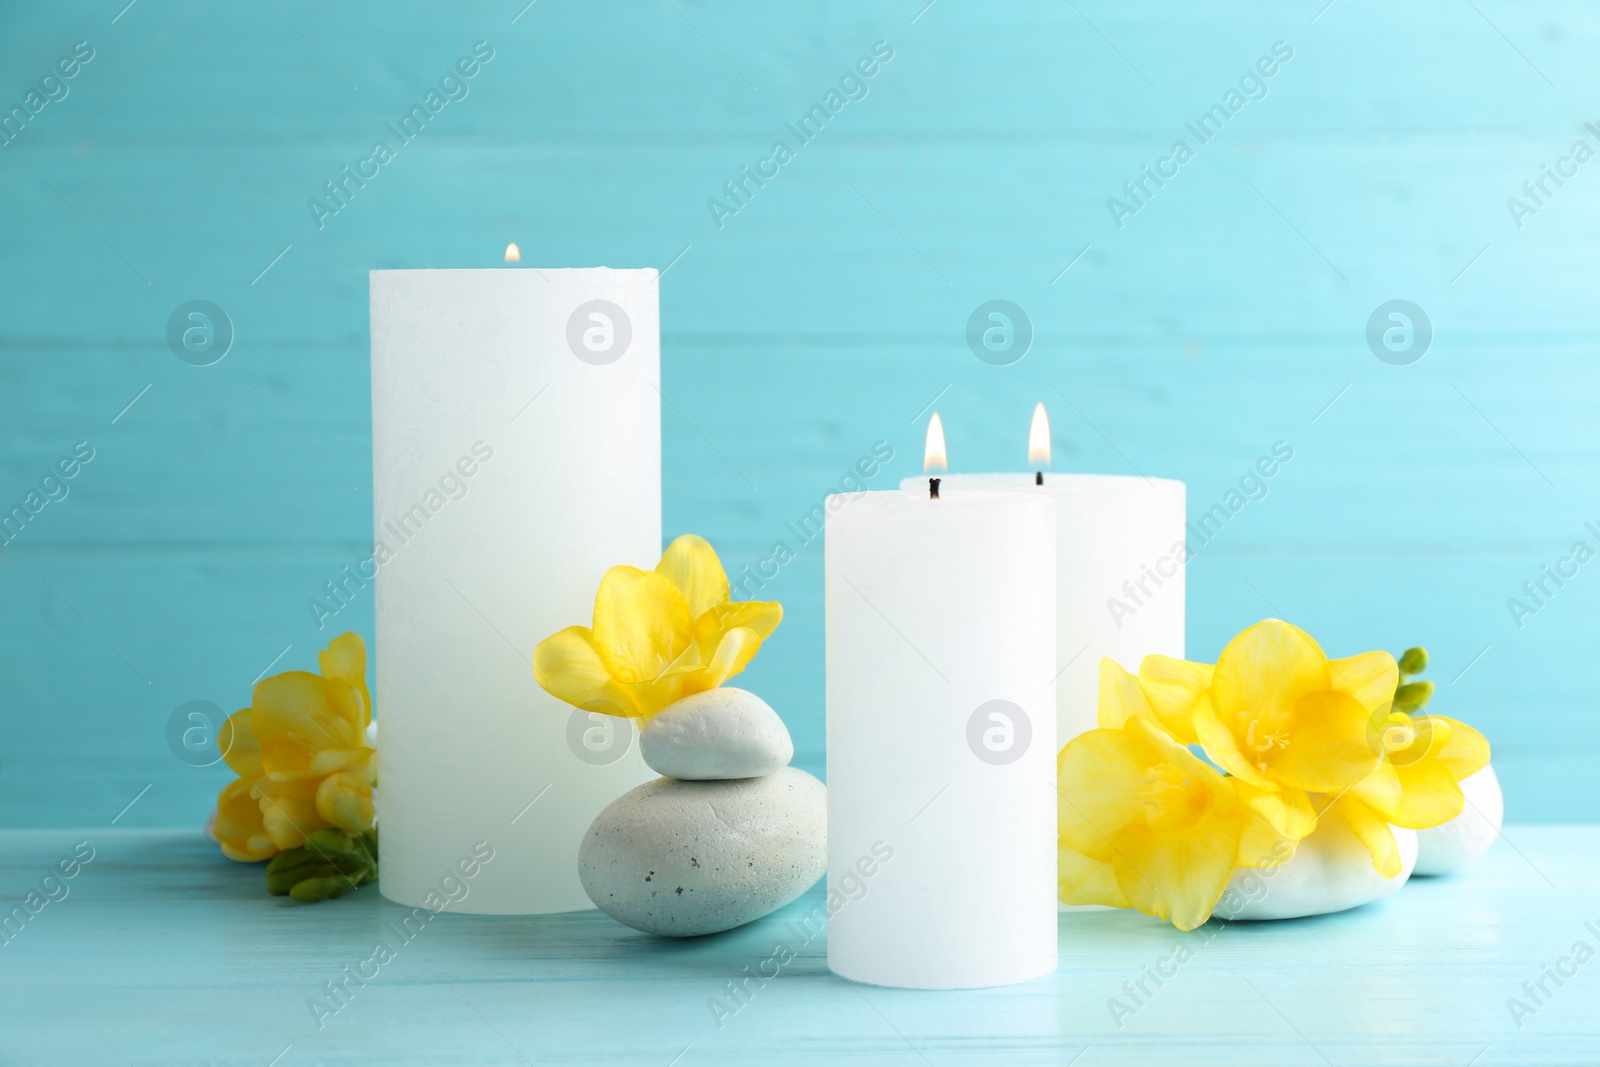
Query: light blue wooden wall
x=823, y=317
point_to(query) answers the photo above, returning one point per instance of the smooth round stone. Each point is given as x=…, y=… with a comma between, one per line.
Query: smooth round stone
x=683, y=858
x=1330, y=871
x=721, y=733
x=1444, y=848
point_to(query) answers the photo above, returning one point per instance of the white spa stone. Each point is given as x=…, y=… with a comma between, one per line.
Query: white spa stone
x=1442, y=849
x=680, y=858
x=720, y=733
x=1330, y=871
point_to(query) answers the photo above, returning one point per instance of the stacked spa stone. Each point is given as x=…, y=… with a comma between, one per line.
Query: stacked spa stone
x=731, y=833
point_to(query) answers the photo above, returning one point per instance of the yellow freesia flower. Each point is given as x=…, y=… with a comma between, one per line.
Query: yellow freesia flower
x=309, y=724
x=1144, y=823
x=658, y=636
x=1279, y=714
x=1417, y=785
x=301, y=755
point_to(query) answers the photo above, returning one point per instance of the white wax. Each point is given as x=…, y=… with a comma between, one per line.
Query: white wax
x=941, y=818
x=1119, y=576
x=560, y=488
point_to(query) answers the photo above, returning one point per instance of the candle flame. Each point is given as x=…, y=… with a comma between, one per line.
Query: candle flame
x=933, y=453
x=1039, y=438
x=513, y=253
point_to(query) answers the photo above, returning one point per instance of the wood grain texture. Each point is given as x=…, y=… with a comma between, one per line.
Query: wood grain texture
x=1228, y=314
x=162, y=952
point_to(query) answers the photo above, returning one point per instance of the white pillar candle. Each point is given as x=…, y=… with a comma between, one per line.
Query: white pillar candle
x=941, y=738
x=516, y=430
x=1119, y=547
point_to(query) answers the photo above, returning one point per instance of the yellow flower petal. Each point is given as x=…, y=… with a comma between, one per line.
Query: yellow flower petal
x=641, y=623
x=567, y=665
x=1466, y=752
x=692, y=565
x=1327, y=746
x=301, y=731
x=345, y=659
x=348, y=702
x=239, y=828
x=1373, y=831
x=1380, y=790
x=762, y=616
x=345, y=800
x=1171, y=751
x=237, y=742
x=1172, y=686
x=737, y=648
x=1081, y=880
x=1098, y=783
x=1369, y=678
x=1265, y=670
x=1429, y=795
x=1121, y=696
x=1177, y=877
x=364, y=766
x=1166, y=698
x=1288, y=812
x=1261, y=845
x=289, y=810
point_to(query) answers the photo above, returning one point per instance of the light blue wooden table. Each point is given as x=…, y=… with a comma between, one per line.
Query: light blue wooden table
x=165, y=954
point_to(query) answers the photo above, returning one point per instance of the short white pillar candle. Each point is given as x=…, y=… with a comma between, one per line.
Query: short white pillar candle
x=941, y=738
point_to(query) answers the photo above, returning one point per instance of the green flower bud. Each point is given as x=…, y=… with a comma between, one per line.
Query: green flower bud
x=280, y=882
x=338, y=847
x=315, y=889
x=1413, y=696
x=1414, y=661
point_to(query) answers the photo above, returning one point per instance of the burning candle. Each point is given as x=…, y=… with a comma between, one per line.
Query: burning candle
x=516, y=456
x=1120, y=552
x=941, y=737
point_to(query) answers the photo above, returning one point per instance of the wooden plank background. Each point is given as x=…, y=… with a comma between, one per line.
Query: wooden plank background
x=1227, y=315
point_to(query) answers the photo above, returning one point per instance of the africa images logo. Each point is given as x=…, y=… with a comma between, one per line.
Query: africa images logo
x=599, y=332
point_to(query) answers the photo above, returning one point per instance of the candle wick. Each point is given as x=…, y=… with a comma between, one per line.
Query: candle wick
x=933, y=488
x=1038, y=477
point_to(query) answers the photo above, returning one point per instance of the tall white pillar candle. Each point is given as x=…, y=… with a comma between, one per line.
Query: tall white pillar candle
x=516, y=431
x=941, y=738
x=1120, y=552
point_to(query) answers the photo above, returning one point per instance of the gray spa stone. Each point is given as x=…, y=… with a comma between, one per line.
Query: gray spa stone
x=680, y=858
x=721, y=733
